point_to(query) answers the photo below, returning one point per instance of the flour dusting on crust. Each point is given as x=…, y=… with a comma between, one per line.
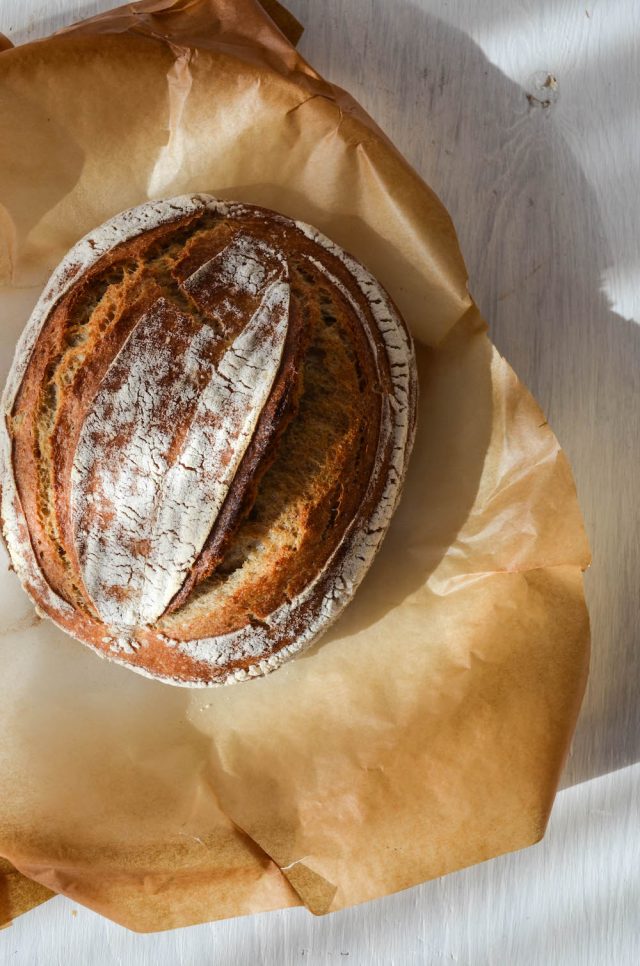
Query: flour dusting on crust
x=162, y=494
x=397, y=427
x=140, y=515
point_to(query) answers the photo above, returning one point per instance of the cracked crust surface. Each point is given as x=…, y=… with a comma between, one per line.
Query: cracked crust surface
x=206, y=428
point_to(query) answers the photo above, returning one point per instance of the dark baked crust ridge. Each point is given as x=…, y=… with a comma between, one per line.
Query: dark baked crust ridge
x=264, y=643
x=274, y=419
x=73, y=404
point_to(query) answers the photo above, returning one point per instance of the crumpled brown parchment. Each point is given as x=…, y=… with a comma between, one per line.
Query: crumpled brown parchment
x=427, y=730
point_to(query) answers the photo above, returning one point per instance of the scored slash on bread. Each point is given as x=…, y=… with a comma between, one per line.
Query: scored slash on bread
x=171, y=426
x=207, y=424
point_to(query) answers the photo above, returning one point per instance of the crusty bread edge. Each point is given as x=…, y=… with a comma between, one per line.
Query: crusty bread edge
x=356, y=550
x=81, y=257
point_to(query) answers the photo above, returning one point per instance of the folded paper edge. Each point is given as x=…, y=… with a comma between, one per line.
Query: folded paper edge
x=18, y=893
x=302, y=879
x=288, y=25
x=284, y=20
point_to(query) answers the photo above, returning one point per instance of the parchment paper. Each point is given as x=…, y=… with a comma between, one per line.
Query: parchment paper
x=427, y=730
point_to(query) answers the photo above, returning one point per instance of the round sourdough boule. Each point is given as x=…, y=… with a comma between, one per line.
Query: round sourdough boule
x=206, y=428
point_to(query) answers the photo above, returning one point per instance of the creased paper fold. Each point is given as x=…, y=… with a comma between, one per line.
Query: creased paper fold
x=427, y=730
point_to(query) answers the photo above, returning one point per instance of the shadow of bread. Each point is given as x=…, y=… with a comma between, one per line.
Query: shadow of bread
x=300, y=762
x=540, y=237
x=454, y=415
x=453, y=432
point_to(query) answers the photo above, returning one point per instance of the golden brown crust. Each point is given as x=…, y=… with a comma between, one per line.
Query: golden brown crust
x=322, y=462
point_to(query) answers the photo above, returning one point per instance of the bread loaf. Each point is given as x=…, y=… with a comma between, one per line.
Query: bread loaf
x=206, y=428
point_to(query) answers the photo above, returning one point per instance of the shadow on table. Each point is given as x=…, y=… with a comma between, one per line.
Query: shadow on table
x=576, y=354
x=501, y=164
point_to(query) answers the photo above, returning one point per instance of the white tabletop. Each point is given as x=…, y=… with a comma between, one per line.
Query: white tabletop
x=524, y=116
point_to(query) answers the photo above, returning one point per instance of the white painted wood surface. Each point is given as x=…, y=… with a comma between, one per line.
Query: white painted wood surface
x=524, y=115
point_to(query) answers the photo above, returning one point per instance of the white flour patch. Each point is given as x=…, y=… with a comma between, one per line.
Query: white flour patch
x=244, y=267
x=396, y=427
x=141, y=518
x=168, y=510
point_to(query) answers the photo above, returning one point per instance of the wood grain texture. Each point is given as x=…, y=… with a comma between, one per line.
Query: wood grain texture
x=524, y=116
